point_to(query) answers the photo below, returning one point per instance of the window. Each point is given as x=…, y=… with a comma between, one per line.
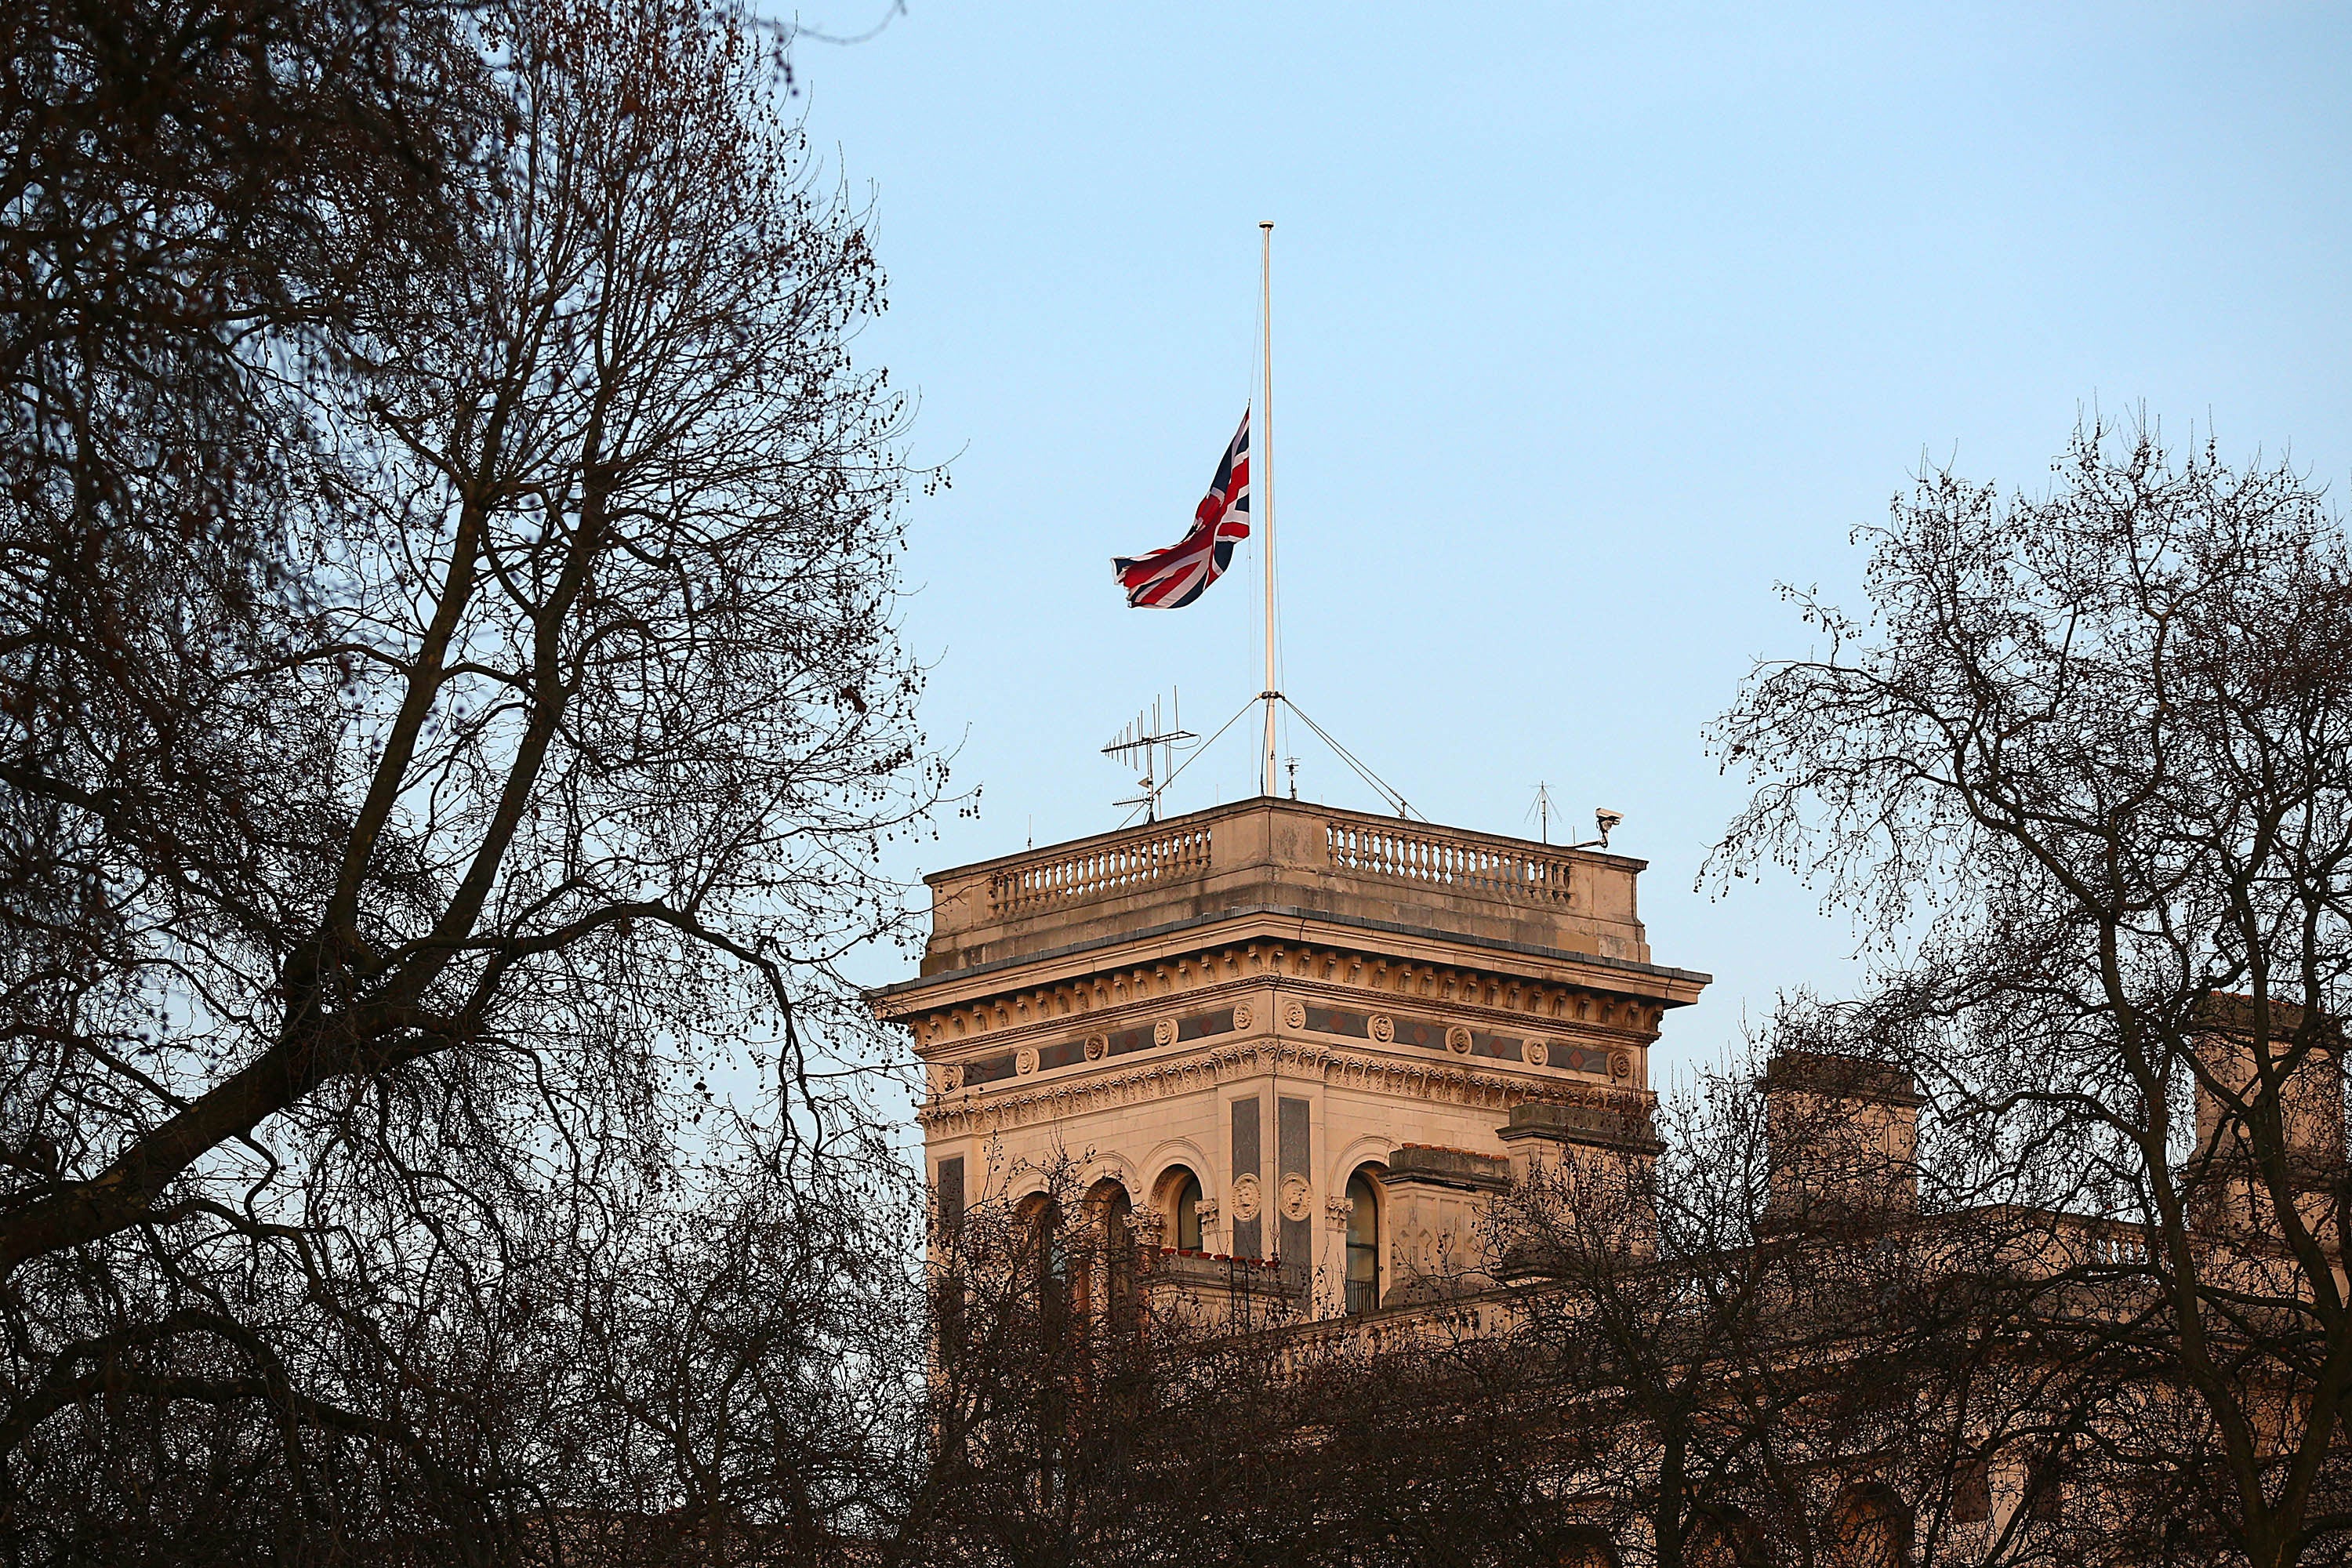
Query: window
x=948, y=1197
x=2045, y=1483
x=1363, y=1244
x=1972, y=1493
x=1726, y=1538
x=1055, y=1249
x=1047, y=1243
x=1188, y=1211
x=1110, y=1279
x=1873, y=1530
x=1586, y=1547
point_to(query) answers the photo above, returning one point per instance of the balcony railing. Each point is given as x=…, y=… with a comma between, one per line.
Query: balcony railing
x=1364, y=1295
x=1406, y=855
x=1168, y=856
x=1268, y=853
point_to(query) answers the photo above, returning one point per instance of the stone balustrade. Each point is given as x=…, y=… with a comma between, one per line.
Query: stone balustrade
x=1277, y=855
x=1447, y=859
x=1157, y=853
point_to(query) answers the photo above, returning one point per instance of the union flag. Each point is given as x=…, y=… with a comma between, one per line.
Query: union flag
x=1172, y=578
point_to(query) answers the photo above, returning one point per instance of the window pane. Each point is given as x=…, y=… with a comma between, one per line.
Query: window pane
x=1188, y=1213
x=1363, y=1282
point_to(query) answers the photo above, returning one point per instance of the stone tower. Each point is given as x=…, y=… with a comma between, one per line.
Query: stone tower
x=1275, y=1031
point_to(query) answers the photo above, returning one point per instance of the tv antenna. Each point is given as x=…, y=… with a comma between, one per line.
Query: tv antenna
x=1541, y=812
x=1149, y=746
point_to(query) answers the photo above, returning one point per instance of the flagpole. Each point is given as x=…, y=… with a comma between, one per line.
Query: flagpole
x=1265, y=488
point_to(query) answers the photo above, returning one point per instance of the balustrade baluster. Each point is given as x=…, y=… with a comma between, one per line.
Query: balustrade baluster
x=1107, y=869
x=1418, y=857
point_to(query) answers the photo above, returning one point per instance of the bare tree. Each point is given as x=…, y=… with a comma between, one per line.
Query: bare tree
x=2084, y=775
x=430, y=828
x=1080, y=1425
x=1091, y=1408
x=189, y=197
x=1764, y=1348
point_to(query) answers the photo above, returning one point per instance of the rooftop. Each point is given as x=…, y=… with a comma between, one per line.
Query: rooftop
x=1309, y=865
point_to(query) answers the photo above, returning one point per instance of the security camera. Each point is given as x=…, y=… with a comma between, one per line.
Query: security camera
x=1607, y=821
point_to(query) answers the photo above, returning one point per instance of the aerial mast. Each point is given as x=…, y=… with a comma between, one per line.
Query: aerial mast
x=1148, y=745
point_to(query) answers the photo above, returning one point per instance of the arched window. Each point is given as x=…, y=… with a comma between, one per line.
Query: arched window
x=1363, y=1244
x=1183, y=1189
x=1118, y=1267
x=1586, y=1547
x=1110, y=1278
x=1873, y=1529
x=1726, y=1538
x=1047, y=1241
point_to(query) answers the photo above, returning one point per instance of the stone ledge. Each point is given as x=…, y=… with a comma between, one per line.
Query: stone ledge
x=1840, y=1077
x=1461, y=1168
x=1294, y=918
x=1606, y=1126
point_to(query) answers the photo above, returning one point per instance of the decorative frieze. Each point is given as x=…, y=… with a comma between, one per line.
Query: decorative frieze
x=1598, y=1056
x=1445, y=1080
x=1517, y=999
x=1426, y=1033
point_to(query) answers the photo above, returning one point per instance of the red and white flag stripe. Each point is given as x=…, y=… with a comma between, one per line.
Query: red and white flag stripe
x=1171, y=578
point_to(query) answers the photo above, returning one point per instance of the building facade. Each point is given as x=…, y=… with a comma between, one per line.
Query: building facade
x=1296, y=1041
x=1289, y=1052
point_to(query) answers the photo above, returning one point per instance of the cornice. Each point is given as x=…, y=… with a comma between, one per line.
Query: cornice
x=1138, y=993
x=968, y=1112
x=1672, y=987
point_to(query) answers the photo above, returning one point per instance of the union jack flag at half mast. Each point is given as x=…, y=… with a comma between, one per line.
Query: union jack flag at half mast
x=1172, y=578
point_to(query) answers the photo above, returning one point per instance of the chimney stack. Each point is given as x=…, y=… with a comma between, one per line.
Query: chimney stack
x=1841, y=1135
x=2229, y=1191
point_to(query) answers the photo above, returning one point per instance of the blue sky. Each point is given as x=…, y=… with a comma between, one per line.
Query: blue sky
x=1592, y=325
